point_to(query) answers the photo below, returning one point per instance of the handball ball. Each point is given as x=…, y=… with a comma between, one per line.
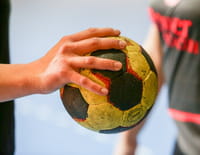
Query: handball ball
x=132, y=91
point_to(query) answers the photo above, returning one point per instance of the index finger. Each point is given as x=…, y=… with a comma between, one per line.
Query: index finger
x=89, y=45
x=94, y=32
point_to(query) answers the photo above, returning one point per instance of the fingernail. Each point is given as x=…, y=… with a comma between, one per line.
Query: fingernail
x=104, y=91
x=117, y=31
x=117, y=65
x=122, y=44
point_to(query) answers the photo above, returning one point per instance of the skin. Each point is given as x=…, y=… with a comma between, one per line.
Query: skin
x=60, y=65
x=127, y=143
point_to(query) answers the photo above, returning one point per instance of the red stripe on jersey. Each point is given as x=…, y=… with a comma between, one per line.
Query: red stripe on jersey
x=184, y=116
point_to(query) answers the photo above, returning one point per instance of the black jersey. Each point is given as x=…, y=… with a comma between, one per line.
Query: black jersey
x=179, y=28
x=7, y=108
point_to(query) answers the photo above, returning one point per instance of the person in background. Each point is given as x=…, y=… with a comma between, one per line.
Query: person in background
x=173, y=43
x=59, y=66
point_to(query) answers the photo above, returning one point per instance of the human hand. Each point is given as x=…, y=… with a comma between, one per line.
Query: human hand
x=62, y=63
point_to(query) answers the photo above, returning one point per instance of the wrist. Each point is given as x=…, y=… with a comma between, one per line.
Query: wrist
x=27, y=80
x=33, y=79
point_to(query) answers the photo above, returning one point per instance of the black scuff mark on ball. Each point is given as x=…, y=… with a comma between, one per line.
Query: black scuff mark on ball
x=125, y=91
x=74, y=103
x=113, y=54
x=149, y=60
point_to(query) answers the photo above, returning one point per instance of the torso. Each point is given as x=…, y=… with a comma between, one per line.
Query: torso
x=179, y=24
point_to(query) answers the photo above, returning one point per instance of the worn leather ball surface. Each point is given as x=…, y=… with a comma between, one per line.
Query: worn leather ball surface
x=132, y=91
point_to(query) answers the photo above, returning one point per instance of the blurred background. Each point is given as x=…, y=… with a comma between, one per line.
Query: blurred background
x=43, y=127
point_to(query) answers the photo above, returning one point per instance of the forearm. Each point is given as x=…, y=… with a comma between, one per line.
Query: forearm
x=152, y=45
x=16, y=80
x=130, y=136
x=127, y=142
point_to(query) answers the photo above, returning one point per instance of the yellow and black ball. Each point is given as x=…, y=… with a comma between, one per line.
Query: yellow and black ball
x=132, y=91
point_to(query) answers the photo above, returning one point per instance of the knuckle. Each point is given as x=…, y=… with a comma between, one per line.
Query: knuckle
x=95, y=87
x=92, y=30
x=58, y=76
x=65, y=62
x=89, y=60
x=61, y=73
x=95, y=42
x=61, y=50
x=116, y=42
x=64, y=38
x=73, y=47
x=110, y=29
x=83, y=81
x=68, y=47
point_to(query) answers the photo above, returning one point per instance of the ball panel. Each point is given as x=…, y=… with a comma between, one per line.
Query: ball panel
x=137, y=61
x=125, y=91
x=150, y=88
x=74, y=103
x=103, y=117
x=87, y=125
x=90, y=97
x=149, y=60
x=133, y=115
x=111, y=54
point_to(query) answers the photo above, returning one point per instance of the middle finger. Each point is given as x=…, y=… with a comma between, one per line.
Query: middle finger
x=95, y=63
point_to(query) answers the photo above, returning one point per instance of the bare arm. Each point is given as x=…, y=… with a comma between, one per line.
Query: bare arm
x=128, y=140
x=152, y=45
x=60, y=65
